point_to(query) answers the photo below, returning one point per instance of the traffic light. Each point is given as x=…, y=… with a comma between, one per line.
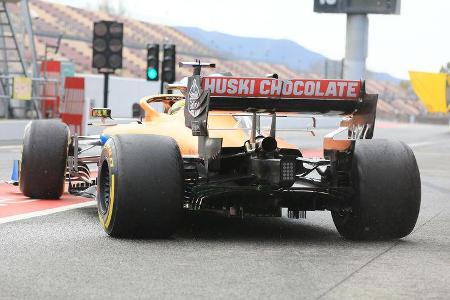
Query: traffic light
x=168, y=64
x=107, y=45
x=152, y=62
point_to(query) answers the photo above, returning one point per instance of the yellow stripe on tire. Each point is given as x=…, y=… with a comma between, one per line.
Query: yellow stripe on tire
x=111, y=203
x=110, y=207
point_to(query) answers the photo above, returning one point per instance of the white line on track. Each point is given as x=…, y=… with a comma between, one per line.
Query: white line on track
x=11, y=147
x=421, y=144
x=45, y=212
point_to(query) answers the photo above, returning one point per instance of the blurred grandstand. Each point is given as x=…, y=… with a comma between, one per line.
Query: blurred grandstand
x=51, y=20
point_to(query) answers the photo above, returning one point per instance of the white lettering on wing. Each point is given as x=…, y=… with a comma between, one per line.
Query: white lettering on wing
x=309, y=88
x=287, y=88
x=351, y=90
x=243, y=86
x=275, y=89
x=331, y=89
x=232, y=86
x=252, y=86
x=210, y=84
x=297, y=85
x=221, y=85
x=318, y=93
x=341, y=88
x=264, y=87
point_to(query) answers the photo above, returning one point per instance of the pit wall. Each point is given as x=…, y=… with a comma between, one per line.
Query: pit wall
x=123, y=92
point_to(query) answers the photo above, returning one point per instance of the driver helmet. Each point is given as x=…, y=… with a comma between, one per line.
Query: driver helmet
x=177, y=106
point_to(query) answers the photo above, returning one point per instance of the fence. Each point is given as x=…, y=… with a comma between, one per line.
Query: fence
x=26, y=106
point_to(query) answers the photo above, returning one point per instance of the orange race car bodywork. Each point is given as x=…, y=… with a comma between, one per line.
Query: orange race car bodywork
x=173, y=125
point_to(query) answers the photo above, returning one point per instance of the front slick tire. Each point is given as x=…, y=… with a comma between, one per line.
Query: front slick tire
x=44, y=158
x=140, y=186
x=386, y=203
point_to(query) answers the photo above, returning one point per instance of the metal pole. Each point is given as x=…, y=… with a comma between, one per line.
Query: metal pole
x=45, y=62
x=29, y=28
x=253, y=130
x=356, y=46
x=105, y=89
x=4, y=109
x=161, y=91
x=273, y=125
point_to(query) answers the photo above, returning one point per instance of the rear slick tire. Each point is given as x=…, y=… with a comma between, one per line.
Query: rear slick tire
x=44, y=159
x=387, y=196
x=140, y=186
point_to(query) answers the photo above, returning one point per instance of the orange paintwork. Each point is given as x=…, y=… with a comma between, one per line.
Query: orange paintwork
x=173, y=126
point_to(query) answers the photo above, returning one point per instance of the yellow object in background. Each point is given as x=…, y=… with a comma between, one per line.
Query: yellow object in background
x=22, y=88
x=431, y=90
x=101, y=113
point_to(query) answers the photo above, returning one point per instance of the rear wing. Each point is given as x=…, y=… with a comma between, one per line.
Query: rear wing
x=272, y=95
x=275, y=95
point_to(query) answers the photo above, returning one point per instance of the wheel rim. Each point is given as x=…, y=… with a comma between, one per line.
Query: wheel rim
x=104, y=188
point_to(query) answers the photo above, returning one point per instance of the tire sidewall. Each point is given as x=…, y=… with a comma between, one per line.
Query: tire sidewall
x=146, y=175
x=24, y=156
x=44, y=159
x=386, y=199
x=108, y=155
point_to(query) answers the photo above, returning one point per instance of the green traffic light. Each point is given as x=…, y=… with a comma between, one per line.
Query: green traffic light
x=152, y=73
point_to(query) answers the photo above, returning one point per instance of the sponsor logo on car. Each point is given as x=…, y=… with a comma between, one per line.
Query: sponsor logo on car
x=194, y=103
x=274, y=88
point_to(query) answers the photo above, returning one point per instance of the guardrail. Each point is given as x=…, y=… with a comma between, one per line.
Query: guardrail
x=424, y=119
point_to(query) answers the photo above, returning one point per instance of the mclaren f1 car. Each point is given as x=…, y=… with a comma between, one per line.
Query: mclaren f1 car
x=197, y=156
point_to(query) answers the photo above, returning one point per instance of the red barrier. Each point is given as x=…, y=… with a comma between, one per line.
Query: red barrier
x=51, y=92
x=72, y=108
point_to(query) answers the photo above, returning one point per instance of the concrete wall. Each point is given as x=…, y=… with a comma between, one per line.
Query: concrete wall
x=12, y=129
x=423, y=119
x=123, y=92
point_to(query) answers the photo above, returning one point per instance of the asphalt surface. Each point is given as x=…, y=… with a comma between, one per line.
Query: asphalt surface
x=68, y=255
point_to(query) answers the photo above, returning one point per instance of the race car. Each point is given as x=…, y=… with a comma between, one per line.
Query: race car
x=197, y=156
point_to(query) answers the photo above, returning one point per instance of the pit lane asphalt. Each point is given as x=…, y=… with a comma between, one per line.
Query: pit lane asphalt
x=68, y=255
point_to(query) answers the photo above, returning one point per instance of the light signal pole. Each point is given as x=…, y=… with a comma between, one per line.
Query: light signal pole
x=356, y=43
x=107, y=46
